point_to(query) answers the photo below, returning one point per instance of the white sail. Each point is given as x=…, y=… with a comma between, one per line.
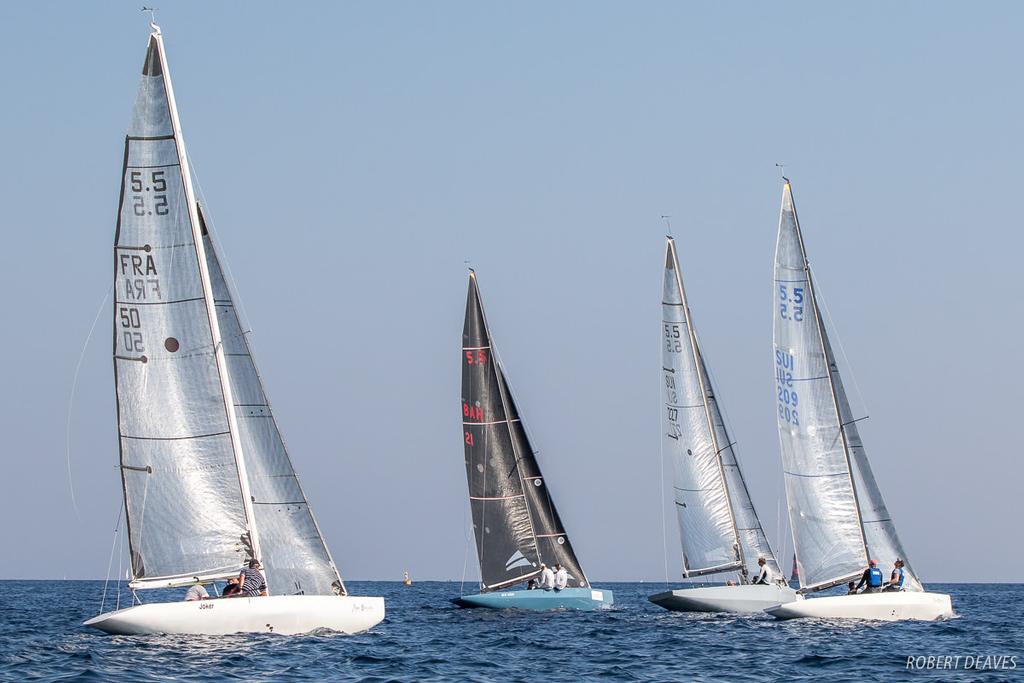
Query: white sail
x=837, y=515
x=294, y=555
x=753, y=540
x=183, y=494
x=707, y=528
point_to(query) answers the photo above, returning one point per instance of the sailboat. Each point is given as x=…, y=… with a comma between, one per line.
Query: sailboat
x=515, y=522
x=838, y=518
x=718, y=525
x=207, y=481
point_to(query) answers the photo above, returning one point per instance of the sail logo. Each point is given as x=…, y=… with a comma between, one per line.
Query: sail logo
x=517, y=560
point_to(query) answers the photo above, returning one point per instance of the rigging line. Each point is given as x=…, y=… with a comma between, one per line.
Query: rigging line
x=848, y=368
x=110, y=562
x=71, y=400
x=120, y=564
x=229, y=276
x=661, y=464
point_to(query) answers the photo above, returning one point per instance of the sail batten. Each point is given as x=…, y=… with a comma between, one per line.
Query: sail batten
x=718, y=526
x=204, y=469
x=515, y=522
x=837, y=515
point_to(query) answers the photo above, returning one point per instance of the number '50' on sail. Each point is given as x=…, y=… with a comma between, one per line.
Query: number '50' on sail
x=519, y=535
x=839, y=521
x=208, y=484
x=718, y=525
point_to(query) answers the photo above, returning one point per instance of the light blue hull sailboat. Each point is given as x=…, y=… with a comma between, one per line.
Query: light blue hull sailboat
x=540, y=599
x=518, y=531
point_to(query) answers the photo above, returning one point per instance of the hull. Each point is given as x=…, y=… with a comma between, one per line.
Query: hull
x=739, y=599
x=286, y=614
x=877, y=606
x=539, y=599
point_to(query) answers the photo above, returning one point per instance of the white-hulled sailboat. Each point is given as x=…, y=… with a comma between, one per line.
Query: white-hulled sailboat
x=208, y=483
x=836, y=511
x=718, y=525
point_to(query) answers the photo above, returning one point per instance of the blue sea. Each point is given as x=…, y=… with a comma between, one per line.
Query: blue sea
x=425, y=638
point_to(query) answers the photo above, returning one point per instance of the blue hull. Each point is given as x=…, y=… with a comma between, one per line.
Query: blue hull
x=539, y=600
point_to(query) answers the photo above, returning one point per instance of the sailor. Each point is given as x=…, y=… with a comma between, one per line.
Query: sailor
x=851, y=588
x=231, y=588
x=196, y=592
x=547, y=577
x=895, y=582
x=252, y=580
x=531, y=584
x=764, y=577
x=871, y=579
x=561, y=577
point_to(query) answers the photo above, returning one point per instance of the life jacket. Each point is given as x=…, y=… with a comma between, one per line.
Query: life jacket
x=875, y=577
x=900, y=583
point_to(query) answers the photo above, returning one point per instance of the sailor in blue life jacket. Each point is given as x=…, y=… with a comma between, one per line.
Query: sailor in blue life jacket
x=895, y=582
x=871, y=579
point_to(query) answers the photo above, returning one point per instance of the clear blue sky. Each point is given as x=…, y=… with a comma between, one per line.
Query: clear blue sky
x=353, y=155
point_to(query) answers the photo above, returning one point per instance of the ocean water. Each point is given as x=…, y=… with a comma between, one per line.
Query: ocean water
x=424, y=638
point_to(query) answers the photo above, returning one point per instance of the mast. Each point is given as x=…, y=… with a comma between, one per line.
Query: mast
x=504, y=409
x=204, y=276
x=698, y=362
x=830, y=363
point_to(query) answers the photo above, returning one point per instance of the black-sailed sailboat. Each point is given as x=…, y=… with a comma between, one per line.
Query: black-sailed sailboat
x=515, y=522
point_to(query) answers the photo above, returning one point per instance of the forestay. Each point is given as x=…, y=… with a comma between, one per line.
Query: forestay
x=514, y=518
x=181, y=484
x=718, y=524
x=837, y=514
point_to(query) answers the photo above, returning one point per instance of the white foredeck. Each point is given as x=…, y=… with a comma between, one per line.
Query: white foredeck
x=876, y=606
x=285, y=614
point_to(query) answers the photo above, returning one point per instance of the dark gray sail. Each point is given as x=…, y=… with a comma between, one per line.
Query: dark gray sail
x=514, y=518
x=182, y=490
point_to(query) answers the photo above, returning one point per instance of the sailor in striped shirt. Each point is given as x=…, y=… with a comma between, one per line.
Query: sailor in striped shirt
x=252, y=581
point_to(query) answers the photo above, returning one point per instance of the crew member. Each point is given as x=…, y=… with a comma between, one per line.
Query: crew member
x=252, y=580
x=871, y=579
x=196, y=592
x=561, y=577
x=764, y=577
x=547, y=577
x=895, y=582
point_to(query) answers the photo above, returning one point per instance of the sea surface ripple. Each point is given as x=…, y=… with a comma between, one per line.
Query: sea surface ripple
x=425, y=638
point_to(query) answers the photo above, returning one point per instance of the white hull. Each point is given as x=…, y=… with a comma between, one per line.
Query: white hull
x=742, y=599
x=895, y=606
x=286, y=614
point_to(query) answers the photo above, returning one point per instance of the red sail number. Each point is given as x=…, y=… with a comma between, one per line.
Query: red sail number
x=479, y=357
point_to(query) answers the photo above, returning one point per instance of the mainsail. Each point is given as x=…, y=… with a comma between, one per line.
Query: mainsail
x=204, y=470
x=837, y=514
x=514, y=518
x=718, y=525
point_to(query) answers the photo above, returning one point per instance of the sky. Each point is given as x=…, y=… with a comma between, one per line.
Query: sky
x=354, y=156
